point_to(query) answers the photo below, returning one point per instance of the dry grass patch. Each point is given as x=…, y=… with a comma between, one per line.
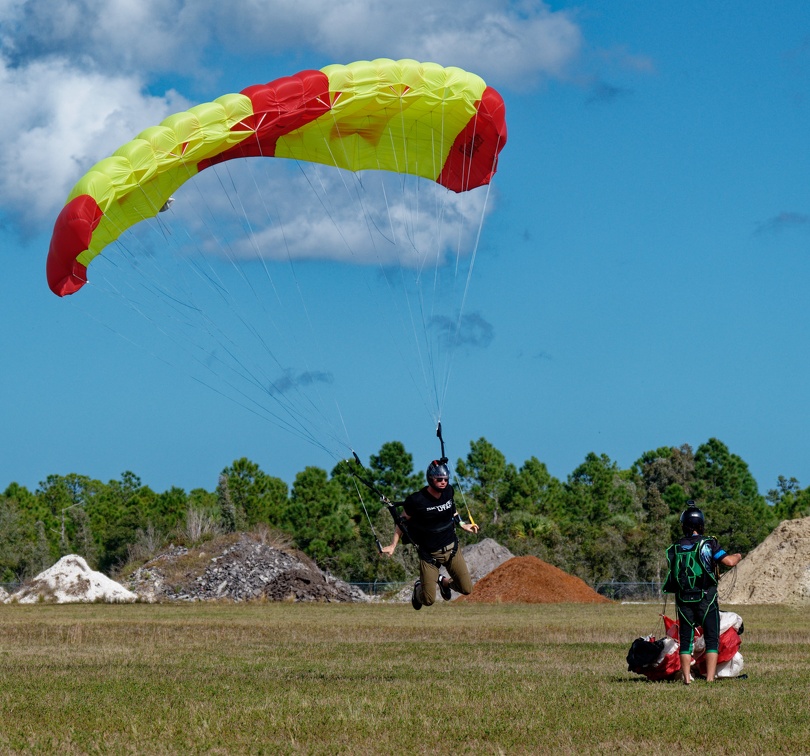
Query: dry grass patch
x=362, y=679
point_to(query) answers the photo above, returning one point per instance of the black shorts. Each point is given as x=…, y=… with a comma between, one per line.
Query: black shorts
x=704, y=614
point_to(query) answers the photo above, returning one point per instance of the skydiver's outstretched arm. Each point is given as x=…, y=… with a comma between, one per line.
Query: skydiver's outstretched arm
x=389, y=550
x=731, y=560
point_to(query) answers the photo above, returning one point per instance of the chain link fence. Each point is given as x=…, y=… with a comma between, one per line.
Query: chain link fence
x=380, y=588
x=630, y=591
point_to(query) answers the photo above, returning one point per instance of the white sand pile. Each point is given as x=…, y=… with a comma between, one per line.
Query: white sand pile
x=775, y=572
x=70, y=580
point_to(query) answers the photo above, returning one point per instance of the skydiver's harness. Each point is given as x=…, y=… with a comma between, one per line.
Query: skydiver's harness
x=426, y=556
x=399, y=520
x=688, y=578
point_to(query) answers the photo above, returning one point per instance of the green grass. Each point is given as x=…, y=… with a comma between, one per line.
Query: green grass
x=328, y=678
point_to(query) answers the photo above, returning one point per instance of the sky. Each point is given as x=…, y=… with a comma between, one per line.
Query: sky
x=638, y=280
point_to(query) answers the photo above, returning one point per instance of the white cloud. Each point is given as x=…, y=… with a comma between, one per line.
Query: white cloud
x=62, y=121
x=114, y=35
x=508, y=43
x=78, y=73
x=372, y=218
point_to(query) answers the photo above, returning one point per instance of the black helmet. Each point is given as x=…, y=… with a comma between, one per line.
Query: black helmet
x=437, y=469
x=692, y=520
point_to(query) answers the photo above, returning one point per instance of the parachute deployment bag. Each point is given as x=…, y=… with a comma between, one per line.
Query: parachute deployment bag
x=687, y=576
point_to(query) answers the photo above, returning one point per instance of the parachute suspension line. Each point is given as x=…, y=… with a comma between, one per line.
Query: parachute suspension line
x=294, y=423
x=458, y=485
x=275, y=390
x=728, y=590
x=413, y=224
x=249, y=403
x=358, y=196
x=317, y=408
x=392, y=508
x=459, y=320
x=473, y=258
x=447, y=353
x=257, y=410
x=368, y=517
x=463, y=498
x=261, y=383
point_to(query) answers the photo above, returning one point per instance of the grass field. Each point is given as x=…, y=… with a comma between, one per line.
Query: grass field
x=335, y=678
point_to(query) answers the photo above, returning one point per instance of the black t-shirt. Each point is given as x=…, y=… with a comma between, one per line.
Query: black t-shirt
x=431, y=523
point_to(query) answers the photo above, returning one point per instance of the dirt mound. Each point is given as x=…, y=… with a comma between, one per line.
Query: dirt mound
x=529, y=580
x=481, y=558
x=237, y=568
x=775, y=572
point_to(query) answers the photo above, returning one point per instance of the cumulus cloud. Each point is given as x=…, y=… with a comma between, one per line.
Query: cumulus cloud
x=278, y=211
x=63, y=121
x=514, y=43
x=85, y=76
x=118, y=36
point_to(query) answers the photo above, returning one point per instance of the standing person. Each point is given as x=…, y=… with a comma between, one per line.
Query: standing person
x=429, y=519
x=694, y=562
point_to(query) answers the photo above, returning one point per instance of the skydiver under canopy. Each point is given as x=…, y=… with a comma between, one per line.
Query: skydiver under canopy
x=429, y=518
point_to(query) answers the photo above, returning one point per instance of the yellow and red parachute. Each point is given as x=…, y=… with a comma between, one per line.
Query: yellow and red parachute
x=443, y=124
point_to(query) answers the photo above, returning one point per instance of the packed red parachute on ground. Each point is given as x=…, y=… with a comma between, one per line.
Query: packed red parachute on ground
x=659, y=658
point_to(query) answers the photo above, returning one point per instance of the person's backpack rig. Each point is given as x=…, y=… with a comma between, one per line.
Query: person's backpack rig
x=688, y=578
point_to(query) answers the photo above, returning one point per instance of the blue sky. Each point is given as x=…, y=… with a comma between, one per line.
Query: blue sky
x=639, y=280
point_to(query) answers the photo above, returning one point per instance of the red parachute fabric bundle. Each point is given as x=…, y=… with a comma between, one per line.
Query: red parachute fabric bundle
x=730, y=642
x=667, y=666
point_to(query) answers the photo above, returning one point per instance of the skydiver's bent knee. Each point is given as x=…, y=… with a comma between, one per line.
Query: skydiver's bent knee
x=462, y=583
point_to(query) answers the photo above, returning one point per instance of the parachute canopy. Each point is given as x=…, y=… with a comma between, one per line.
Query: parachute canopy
x=443, y=124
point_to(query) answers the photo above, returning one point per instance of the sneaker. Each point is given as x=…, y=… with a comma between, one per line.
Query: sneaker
x=415, y=602
x=444, y=589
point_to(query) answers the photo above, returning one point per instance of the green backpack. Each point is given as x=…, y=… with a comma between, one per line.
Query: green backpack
x=687, y=577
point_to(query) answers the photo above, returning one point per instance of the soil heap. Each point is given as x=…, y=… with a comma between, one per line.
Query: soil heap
x=481, y=558
x=529, y=580
x=775, y=572
x=237, y=568
x=71, y=581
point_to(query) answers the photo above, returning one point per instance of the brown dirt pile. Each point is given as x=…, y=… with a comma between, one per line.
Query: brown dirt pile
x=529, y=580
x=775, y=572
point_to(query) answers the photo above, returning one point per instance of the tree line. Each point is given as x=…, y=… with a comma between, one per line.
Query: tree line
x=602, y=523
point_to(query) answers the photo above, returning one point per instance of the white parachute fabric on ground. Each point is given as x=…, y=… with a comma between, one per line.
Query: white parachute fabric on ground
x=734, y=666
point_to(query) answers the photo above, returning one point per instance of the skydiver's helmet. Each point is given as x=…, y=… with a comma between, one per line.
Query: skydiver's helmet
x=437, y=469
x=692, y=520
